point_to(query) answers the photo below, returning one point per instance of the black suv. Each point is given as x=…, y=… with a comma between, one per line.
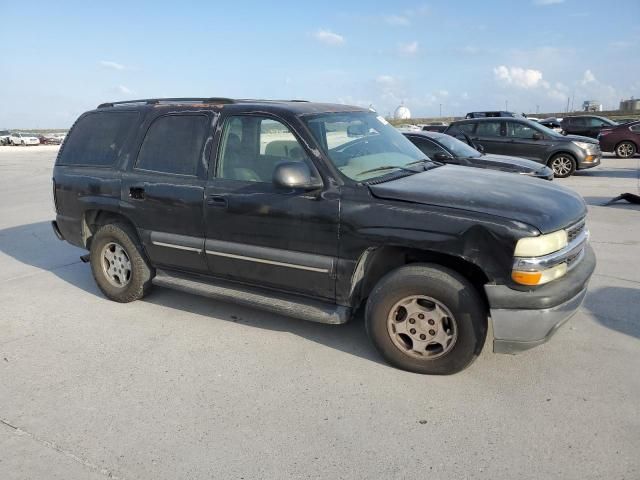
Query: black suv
x=585, y=125
x=313, y=211
x=519, y=137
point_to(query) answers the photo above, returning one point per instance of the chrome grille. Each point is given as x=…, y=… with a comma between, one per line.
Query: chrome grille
x=574, y=230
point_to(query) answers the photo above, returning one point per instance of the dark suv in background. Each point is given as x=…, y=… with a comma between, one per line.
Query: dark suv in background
x=499, y=113
x=314, y=211
x=585, y=125
x=520, y=137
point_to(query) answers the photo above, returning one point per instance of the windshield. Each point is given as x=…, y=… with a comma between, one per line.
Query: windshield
x=359, y=142
x=458, y=148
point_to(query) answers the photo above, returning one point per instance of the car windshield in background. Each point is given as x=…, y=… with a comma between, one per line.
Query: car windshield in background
x=458, y=148
x=358, y=143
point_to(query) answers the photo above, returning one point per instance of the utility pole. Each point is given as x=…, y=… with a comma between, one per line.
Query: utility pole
x=506, y=105
x=568, y=104
x=537, y=108
x=440, y=110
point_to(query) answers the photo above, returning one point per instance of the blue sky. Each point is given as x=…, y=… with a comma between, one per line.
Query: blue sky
x=62, y=58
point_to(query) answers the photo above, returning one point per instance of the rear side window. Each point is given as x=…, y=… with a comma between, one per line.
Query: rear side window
x=96, y=139
x=488, y=129
x=173, y=144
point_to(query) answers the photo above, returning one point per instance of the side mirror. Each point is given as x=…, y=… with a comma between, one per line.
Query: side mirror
x=295, y=175
x=356, y=130
x=536, y=136
x=478, y=147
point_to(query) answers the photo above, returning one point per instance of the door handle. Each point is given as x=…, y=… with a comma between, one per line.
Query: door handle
x=217, y=201
x=137, y=193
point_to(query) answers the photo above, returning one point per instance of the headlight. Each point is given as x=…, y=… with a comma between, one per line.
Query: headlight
x=583, y=145
x=539, y=277
x=541, y=245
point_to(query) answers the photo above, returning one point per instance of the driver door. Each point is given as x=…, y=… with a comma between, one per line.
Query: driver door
x=260, y=234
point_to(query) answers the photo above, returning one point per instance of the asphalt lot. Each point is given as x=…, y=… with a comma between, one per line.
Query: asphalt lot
x=179, y=386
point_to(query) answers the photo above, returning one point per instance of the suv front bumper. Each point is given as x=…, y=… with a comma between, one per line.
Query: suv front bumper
x=524, y=319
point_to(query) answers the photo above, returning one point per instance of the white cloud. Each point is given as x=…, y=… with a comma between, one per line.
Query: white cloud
x=544, y=3
x=443, y=93
x=328, y=37
x=112, y=65
x=621, y=44
x=385, y=80
x=397, y=20
x=410, y=48
x=123, y=90
x=518, y=77
x=588, y=77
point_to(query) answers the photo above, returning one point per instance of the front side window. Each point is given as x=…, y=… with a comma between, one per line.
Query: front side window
x=635, y=128
x=519, y=130
x=253, y=146
x=362, y=145
x=488, y=129
x=173, y=144
x=96, y=138
x=427, y=146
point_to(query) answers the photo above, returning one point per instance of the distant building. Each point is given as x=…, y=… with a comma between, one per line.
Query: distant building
x=402, y=113
x=631, y=105
x=591, y=106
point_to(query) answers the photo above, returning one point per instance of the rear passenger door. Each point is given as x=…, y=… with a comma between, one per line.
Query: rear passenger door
x=525, y=141
x=491, y=135
x=257, y=233
x=163, y=189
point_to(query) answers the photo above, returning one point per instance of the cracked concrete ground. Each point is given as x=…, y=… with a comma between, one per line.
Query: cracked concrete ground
x=178, y=386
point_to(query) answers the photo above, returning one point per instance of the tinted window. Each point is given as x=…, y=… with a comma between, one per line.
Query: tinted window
x=427, y=146
x=253, y=146
x=173, y=144
x=578, y=122
x=635, y=128
x=519, y=130
x=488, y=129
x=97, y=138
x=462, y=128
x=596, y=122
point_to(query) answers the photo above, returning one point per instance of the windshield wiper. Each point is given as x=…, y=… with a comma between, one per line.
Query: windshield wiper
x=419, y=161
x=387, y=167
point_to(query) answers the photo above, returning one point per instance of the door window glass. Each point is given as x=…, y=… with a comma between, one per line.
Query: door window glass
x=519, y=130
x=427, y=146
x=488, y=129
x=173, y=144
x=252, y=147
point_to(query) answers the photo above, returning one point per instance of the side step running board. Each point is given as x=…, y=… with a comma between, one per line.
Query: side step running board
x=276, y=302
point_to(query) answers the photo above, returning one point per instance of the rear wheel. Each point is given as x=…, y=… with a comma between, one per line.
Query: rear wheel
x=563, y=165
x=428, y=319
x=118, y=263
x=625, y=150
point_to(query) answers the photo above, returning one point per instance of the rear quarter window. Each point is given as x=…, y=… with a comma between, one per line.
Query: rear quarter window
x=96, y=139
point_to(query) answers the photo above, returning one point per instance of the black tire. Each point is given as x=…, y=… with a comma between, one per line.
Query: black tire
x=141, y=273
x=563, y=165
x=448, y=288
x=625, y=149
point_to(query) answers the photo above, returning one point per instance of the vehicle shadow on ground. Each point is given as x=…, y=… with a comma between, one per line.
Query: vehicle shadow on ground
x=600, y=172
x=616, y=308
x=36, y=245
x=601, y=202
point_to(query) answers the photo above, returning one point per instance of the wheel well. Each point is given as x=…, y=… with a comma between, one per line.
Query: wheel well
x=94, y=219
x=385, y=259
x=626, y=141
x=562, y=152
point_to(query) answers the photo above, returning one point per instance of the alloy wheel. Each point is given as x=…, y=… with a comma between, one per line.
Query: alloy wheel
x=561, y=165
x=116, y=264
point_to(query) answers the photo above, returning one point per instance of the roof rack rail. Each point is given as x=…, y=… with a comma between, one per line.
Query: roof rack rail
x=156, y=101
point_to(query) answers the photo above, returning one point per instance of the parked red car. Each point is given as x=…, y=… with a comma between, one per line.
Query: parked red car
x=623, y=140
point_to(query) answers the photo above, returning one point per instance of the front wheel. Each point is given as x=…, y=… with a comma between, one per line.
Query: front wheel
x=427, y=319
x=118, y=263
x=625, y=150
x=563, y=165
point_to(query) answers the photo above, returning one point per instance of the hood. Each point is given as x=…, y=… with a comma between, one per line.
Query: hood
x=543, y=205
x=505, y=163
x=580, y=138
